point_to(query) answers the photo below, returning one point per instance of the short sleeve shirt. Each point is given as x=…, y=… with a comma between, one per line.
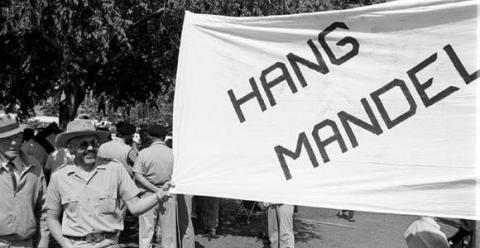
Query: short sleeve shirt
x=117, y=149
x=91, y=206
x=155, y=163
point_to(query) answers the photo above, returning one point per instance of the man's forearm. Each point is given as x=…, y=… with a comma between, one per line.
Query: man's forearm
x=56, y=230
x=42, y=236
x=138, y=206
x=145, y=183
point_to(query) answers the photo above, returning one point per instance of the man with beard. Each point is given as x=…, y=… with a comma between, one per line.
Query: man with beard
x=119, y=147
x=89, y=190
x=22, y=192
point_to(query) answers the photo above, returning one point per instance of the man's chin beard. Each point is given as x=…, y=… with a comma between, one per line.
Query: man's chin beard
x=89, y=160
x=10, y=154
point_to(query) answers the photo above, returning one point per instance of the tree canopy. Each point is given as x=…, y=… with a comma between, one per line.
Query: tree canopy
x=122, y=52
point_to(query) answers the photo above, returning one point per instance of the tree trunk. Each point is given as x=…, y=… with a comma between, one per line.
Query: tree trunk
x=72, y=97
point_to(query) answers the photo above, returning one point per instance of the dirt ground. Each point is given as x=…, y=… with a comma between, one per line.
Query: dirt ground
x=314, y=228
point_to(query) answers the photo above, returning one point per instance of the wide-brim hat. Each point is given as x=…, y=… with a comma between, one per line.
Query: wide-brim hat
x=10, y=127
x=77, y=128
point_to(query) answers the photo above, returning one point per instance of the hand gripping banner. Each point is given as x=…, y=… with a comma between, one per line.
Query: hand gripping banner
x=370, y=109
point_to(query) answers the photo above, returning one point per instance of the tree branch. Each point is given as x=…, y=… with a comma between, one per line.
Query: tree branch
x=151, y=16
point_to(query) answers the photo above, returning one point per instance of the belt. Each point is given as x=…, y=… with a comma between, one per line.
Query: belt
x=94, y=237
x=12, y=238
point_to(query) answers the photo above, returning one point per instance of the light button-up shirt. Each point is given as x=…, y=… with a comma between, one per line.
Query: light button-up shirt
x=23, y=211
x=90, y=204
x=155, y=163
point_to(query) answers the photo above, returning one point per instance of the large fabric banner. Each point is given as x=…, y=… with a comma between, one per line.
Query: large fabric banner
x=370, y=109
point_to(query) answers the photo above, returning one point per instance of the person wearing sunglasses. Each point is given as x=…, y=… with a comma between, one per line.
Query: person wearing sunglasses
x=89, y=192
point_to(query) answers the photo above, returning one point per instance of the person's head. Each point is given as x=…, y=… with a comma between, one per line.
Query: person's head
x=40, y=132
x=84, y=148
x=28, y=134
x=143, y=132
x=157, y=132
x=106, y=130
x=11, y=136
x=145, y=139
x=125, y=130
x=82, y=140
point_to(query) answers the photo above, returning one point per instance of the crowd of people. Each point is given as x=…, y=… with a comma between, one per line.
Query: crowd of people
x=88, y=193
x=95, y=177
x=78, y=185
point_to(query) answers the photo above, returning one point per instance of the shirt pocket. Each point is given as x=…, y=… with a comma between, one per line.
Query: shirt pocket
x=70, y=204
x=107, y=202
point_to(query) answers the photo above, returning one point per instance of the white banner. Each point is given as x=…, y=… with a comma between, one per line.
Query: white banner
x=370, y=109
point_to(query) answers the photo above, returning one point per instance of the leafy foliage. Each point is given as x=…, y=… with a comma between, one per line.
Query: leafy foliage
x=124, y=52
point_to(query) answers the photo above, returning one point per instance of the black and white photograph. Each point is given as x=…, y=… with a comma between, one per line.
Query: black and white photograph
x=239, y=124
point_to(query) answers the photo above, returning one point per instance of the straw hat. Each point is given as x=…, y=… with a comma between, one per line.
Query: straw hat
x=10, y=127
x=79, y=127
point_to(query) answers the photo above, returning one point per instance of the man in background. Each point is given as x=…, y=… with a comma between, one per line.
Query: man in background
x=153, y=168
x=120, y=148
x=42, y=144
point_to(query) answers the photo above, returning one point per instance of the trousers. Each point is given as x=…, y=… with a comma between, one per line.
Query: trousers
x=210, y=210
x=280, y=226
x=160, y=221
x=185, y=225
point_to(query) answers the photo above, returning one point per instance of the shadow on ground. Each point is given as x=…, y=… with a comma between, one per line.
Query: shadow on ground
x=198, y=245
x=305, y=232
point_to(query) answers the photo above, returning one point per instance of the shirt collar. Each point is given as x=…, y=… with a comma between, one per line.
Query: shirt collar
x=21, y=159
x=72, y=168
x=4, y=165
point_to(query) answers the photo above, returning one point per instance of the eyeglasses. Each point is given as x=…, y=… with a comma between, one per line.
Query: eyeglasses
x=16, y=137
x=87, y=143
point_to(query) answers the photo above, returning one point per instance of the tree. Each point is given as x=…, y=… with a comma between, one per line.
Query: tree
x=63, y=49
x=122, y=51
